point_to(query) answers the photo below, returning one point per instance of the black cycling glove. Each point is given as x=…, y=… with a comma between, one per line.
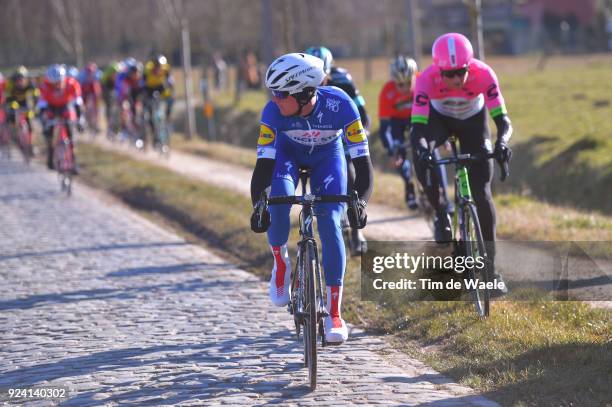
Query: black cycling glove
x=357, y=216
x=260, y=219
x=502, y=151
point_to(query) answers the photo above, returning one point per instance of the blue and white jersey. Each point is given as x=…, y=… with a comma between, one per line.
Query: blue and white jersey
x=334, y=116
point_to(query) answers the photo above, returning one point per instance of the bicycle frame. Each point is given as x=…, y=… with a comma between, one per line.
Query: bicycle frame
x=306, y=219
x=463, y=193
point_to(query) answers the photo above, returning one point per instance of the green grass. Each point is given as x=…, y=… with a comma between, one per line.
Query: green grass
x=527, y=353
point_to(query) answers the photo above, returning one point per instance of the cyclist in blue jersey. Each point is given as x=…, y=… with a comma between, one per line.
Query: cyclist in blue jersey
x=304, y=126
x=341, y=78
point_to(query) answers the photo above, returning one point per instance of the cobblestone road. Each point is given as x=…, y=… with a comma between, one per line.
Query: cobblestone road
x=121, y=312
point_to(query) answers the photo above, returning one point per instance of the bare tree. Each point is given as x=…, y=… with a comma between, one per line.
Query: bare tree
x=68, y=34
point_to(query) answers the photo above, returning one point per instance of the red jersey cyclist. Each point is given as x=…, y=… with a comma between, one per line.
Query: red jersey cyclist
x=60, y=95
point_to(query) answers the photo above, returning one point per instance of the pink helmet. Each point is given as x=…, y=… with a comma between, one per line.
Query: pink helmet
x=452, y=51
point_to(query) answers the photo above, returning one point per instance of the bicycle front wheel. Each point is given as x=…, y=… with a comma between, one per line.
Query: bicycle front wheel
x=475, y=247
x=25, y=142
x=310, y=314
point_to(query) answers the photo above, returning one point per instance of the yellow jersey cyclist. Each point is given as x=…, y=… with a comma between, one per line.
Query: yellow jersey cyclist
x=21, y=95
x=304, y=125
x=158, y=78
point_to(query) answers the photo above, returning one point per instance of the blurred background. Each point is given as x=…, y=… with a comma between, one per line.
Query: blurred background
x=38, y=32
x=553, y=58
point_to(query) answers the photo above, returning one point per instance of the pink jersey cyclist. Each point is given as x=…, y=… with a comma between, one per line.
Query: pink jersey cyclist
x=452, y=97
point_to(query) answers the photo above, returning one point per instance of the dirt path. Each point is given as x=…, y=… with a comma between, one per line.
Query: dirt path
x=405, y=226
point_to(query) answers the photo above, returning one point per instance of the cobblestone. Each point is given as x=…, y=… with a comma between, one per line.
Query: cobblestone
x=122, y=312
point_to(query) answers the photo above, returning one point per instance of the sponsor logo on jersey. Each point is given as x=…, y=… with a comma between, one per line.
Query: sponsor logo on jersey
x=333, y=105
x=316, y=137
x=328, y=180
x=422, y=99
x=355, y=132
x=266, y=135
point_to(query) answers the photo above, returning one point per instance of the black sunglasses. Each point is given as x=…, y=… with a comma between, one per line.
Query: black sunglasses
x=454, y=72
x=281, y=94
x=304, y=95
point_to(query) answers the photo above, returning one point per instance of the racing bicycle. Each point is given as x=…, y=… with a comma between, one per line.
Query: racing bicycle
x=91, y=114
x=156, y=116
x=21, y=132
x=63, y=154
x=306, y=299
x=467, y=237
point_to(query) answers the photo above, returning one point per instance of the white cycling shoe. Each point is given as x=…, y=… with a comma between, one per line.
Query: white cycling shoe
x=336, y=331
x=280, y=281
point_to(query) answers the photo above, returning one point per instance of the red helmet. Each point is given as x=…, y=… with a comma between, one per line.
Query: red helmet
x=452, y=51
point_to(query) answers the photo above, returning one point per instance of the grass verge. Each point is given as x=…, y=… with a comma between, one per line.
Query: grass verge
x=527, y=353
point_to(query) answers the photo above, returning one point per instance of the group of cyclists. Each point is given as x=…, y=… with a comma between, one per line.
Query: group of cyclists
x=127, y=88
x=316, y=118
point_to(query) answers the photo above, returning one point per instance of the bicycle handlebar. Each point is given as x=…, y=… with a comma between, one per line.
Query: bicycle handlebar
x=308, y=199
x=55, y=121
x=467, y=158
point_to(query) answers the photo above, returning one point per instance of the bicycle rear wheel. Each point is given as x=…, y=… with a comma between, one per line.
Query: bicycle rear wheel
x=58, y=162
x=25, y=142
x=475, y=247
x=425, y=207
x=310, y=315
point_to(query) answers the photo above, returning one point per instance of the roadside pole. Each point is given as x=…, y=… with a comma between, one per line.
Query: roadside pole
x=191, y=130
x=414, y=29
x=477, y=30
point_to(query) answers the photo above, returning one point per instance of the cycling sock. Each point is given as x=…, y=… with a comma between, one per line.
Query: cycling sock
x=281, y=264
x=334, y=303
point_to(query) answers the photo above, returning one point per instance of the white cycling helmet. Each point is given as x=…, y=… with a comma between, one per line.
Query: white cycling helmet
x=56, y=73
x=294, y=72
x=403, y=68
